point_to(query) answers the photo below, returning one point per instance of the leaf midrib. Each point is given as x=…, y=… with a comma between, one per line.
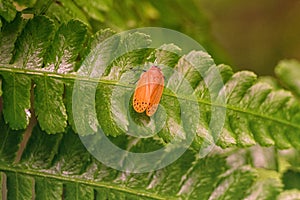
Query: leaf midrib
x=14, y=97
x=109, y=82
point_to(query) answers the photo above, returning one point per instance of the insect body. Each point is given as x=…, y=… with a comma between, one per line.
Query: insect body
x=148, y=91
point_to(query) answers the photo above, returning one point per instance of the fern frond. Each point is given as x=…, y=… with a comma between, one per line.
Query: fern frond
x=288, y=72
x=60, y=166
x=255, y=112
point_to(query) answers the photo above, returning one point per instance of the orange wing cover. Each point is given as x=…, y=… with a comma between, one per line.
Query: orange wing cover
x=148, y=91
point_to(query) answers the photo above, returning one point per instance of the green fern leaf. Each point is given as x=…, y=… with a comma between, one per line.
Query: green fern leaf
x=200, y=180
x=67, y=44
x=63, y=168
x=289, y=195
x=48, y=103
x=72, y=160
x=33, y=43
x=16, y=99
x=63, y=11
x=41, y=149
x=94, y=41
x=91, y=8
x=256, y=108
x=78, y=192
x=265, y=189
x=8, y=36
x=254, y=104
x=9, y=143
x=289, y=71
x=48, y=189
x=59, y=166
x=235, y=185
x=7, y=10
x=19, y=186
x=31, y=46
x=27, y=3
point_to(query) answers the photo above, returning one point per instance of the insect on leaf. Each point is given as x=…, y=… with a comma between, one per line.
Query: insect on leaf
x=148, y=91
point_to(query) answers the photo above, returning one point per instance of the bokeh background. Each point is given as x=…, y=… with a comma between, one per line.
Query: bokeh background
x=253, y=35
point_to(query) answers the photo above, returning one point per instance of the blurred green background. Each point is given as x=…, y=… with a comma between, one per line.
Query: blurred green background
x=251, y=35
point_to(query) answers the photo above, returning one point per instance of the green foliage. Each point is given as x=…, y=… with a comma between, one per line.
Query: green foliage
x=33, y=42
x=16, y=102
x=19, y=186
x=7, y=10
x=47, y=188
x=65, y=48
x=9, y=142
x=289, y=195
x=27, y=3
x=254, y=104
x=289, y=71
x=48, y=104
x=39, y=64
x=60, y=166
x=9, y=34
